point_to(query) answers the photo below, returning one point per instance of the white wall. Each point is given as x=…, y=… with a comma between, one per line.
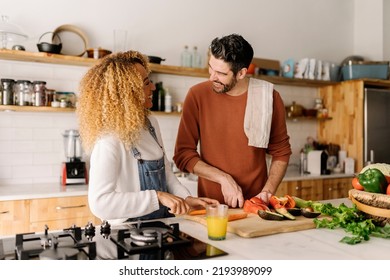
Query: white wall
x=31, y=148
x=277, y=29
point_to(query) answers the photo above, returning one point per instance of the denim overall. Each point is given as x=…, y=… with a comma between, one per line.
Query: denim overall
x=152, y=177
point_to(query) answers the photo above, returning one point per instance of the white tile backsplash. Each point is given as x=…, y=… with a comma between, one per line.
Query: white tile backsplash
x=31, y=144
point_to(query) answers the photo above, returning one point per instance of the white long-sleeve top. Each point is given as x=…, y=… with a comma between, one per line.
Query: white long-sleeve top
x=114, y=192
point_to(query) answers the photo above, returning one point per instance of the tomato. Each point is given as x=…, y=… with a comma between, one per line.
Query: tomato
x=356, y=185
x=388, y=190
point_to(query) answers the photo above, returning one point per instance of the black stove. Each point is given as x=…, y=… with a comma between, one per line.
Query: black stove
x=147, y=240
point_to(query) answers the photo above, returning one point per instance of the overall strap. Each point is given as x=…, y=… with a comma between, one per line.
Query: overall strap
x=152, y=131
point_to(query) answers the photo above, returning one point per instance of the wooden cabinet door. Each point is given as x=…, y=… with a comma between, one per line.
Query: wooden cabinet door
x=14, y=217
x=288, y=187
x=337, y=188
x=60, y=213
x=311, y=190
x=305, y=189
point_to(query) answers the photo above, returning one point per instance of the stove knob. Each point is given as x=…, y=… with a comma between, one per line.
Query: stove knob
x=90, y=231
x=105, y=229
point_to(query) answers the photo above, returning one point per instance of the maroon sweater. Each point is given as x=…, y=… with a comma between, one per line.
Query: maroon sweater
x=216, y=121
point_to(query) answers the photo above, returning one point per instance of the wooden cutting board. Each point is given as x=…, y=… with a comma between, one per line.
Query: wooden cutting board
x=254, y=226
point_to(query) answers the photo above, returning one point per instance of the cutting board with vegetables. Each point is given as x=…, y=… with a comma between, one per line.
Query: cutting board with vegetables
x=254, y=226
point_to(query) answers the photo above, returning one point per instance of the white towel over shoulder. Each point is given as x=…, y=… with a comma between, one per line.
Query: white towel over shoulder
x=258, y=113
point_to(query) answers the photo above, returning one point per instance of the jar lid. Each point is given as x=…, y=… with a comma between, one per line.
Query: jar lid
x=39, y=82
x=7, y=80
x=23, y=82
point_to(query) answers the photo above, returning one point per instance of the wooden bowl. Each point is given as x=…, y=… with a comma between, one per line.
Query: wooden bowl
x=97, y=53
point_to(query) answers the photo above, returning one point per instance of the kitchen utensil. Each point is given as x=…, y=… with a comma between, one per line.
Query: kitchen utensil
x=73, y=170
x=294, y=110
x=120, y=40
x=75, y=40
x=18, y=48
x=155, y=59
x=49, y=47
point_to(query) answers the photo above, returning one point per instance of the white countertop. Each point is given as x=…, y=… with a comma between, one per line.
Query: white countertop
x=294, y=175
x=312, y=244
x=47, y=190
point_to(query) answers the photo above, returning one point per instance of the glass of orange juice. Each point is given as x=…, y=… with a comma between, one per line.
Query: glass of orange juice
x=217, y=218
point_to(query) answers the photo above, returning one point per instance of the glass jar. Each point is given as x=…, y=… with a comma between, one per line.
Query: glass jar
x=68, y=98
x=39, y=94
x=7, y=92
x=49, y=96
x=23, y=93
x=318, y=105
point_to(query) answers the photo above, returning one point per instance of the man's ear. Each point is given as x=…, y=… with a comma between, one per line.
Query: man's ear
x=242, y=73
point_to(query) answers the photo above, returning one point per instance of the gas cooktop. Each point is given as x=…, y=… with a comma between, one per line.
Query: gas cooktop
x=148, y=240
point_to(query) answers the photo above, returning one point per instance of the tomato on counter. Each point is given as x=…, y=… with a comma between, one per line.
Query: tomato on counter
x=356, y=185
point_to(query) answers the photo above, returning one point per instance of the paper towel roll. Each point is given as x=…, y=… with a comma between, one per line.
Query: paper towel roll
x=342, y=157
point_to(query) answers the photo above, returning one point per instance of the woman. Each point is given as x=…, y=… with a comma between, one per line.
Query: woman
x=130, y=176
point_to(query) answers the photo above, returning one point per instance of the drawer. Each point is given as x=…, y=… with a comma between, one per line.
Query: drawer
x=14, y=217
x=60, y=208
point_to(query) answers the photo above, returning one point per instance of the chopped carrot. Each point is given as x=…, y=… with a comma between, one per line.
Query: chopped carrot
x=197, y=212
x=233, y=217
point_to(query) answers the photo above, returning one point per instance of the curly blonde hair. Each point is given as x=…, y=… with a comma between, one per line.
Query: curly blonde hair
x=112, y=99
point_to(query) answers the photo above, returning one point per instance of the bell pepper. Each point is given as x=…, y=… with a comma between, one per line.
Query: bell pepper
x=373, y=181
x=254, y=204
x=281, y=204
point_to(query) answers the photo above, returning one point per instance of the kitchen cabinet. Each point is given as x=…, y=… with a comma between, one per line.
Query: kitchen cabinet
x=316, y=189
x=31, y=215
x=305, y=189
x=345, y=104
x=60, y=213
x=14, y=216
x=336, y=188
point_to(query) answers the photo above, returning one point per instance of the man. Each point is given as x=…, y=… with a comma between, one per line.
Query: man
x=237, y=121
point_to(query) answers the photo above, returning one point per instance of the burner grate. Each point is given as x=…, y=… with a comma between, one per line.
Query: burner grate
x=166, y=238
x=62, y=245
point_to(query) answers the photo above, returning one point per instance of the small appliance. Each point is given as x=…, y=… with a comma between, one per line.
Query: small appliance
x=74, y=170
x=317, y=162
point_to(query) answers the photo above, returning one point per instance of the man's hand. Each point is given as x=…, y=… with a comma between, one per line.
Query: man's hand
x=232, y=192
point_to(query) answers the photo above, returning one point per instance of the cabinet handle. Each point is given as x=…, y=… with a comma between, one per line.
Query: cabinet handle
x=4, y=212
x=69, y=207
x=329, y=189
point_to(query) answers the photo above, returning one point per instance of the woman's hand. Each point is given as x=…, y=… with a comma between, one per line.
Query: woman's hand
x=199, y=202
x=177, y=205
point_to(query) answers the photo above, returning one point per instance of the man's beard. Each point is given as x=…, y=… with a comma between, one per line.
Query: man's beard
x=226, y=87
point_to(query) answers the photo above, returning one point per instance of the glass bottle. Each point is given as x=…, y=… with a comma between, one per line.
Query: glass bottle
x=155, y=97
x=161, y=96
x=186, y=57
x=168, y=101
x=196, y=58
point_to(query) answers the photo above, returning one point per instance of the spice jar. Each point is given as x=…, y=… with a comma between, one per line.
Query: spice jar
x=39, y=94
x=7, y=96
x=23, y=93
x=49, y=96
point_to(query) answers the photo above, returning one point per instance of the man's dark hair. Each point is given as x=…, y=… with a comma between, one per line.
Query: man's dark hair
x=233, y=49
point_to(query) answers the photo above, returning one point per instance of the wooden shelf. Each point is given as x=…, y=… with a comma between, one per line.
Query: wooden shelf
x=42, y=57
x=40, y=109
x=37, y=109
